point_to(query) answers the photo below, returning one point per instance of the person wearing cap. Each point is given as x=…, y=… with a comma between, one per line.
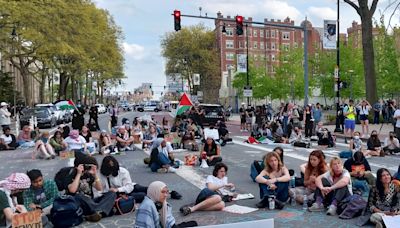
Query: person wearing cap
x=8, y=140
x=124, y=139
x=5, y=115
x=15, y=183
x=76, y=142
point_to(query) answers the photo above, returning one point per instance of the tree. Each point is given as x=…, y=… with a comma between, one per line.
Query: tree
x=193, y=50
x=365, y=12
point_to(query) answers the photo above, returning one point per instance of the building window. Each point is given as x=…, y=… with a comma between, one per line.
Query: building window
x=255, y=45
x=250, y=31
x=255, y=57
x=262, y=45
x=272, y=33
x=261, y=33
x=285, y=35
x=273, y=58
x=267, y=34
x=255, y=33
x=240, y=44
x=229, y=32
x=286, y=47
x=296, y=45
x=229, y=44
x=272, y=46
x=230, y=56
x=272, y=69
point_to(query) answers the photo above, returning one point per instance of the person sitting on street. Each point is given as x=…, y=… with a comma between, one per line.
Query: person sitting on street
x=15, y=183
x=295, y=136
x=90, y=142
x=384, y=197
x=391, y=144
x=41, y=194
x=35, y=133
x=81, y=184
x=149, y=137
x=76, y=143
x=216, y=192
x=105, y=143
x=273, y=181
x=8, y=140
x=223, y=133
x=211, y=152
x=124, y=139
x=188, y=139
x=64, y=129
x=374, y=145
x=359, y=170
x=24, y=138
x=155, y=211
x=332, y=187
x=160, y=159
x=315, y=167
x=57, y=142
x=43, y=149
x=356, y=144
x=325, y=138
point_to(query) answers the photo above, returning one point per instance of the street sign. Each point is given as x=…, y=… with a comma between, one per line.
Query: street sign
x=336, y=72
x=248, y=91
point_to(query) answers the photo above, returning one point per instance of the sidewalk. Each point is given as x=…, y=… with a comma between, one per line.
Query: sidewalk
x=383, y=133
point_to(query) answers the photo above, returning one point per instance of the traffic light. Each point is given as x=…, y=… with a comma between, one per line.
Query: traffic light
x=239, y=25
x=177, y=20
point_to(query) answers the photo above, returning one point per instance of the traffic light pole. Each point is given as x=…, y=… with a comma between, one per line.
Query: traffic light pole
x=337, y=128
x=247, y=63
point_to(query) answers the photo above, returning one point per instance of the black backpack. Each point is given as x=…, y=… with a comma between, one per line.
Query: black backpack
x=66, y=212
x=62, y=176
x=351, y=207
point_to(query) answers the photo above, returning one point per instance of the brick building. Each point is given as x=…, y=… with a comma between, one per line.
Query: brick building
x=354, y=34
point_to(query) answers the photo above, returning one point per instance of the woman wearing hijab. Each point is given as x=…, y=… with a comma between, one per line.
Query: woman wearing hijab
x=155, y=212
x=160, y=160
x=76, y=142
x=15, y=183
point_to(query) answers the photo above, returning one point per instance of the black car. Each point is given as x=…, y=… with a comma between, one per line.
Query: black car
x=212, y=113
x=43, y=116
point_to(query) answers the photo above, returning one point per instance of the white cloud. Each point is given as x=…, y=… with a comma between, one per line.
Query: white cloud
x=321, y=13
x=134, y=51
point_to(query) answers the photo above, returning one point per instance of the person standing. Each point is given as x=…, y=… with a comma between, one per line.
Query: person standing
x=113, y=111
x=94, y=115
x=364, y=108
x=317, y=116
x=5, y=115
x=78, y=119
x=308, y=121
x=396, y=117
x=242, y=113
x=377, y=109
x=349, y=112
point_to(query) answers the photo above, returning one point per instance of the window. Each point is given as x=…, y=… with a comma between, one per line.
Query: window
x=255, y=45
x=255, y=33
x=295, y=45
x=272, y=33
x=272, y=46
x=286, y=47
x=273, y=58
x=267, y=34
x=240, y=44
x=285, y=35
x=255, y=57
x=229, y=44
x=272, y=69
x=262, y=45
x=230, y=56
x=229, y=32
x=261, y=33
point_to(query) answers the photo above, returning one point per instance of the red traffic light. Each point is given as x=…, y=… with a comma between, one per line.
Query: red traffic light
x=177, y=13
x=239, y=25
x=177, y=20
x=239, y=19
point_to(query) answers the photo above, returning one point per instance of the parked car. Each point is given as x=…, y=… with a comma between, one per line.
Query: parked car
x=44, y=116
x=139, y=107
x=101, y=108
x=212, y=113
x=58, y=113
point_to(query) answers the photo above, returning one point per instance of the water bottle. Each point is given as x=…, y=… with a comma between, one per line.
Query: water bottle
x=305, y=201
x=293, y=200
x=271, y=202
x=293, y=181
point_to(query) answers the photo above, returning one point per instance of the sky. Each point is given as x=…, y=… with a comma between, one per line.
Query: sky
x=144, y=23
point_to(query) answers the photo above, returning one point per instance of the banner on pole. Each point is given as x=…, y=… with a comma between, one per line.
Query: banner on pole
x=196, y=79
x=330, y=34
x=241, y=63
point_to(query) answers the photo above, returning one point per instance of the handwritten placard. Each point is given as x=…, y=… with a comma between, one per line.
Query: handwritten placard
x=32, y=219
x=67, y=154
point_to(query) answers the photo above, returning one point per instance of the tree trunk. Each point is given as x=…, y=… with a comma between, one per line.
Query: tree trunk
x=62, y=89
x=42, y=86
x=369, y=58
x=27, y=87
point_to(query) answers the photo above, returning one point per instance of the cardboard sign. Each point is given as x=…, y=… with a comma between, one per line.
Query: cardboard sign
x=67, y=154
x=32, y=219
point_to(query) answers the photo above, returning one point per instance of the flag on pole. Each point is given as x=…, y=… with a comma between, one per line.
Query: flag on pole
x=65, y=104
x=184, y=104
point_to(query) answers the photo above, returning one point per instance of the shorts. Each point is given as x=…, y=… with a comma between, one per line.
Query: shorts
x=242, y=120
x=363, y=117
x=350, y=124
x=204, y=194
x=249, y=120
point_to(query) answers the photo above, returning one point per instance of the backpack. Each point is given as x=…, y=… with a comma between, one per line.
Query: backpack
x=351, y=207
x=253, y=170
x=61, y=177
x=66, y=212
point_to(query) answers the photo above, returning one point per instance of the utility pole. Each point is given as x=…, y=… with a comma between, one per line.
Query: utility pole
x=247, y=63
x=337, y=128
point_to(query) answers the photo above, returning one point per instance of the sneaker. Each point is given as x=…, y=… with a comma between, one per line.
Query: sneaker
x=316, y=207
x=162, y=170
x=332, y=210
x=93, y=217
x=171, y=170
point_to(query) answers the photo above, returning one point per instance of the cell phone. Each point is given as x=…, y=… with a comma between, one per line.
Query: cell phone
x=87, y=167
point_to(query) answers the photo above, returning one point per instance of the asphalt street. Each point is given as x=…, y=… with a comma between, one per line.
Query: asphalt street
x=188, y=181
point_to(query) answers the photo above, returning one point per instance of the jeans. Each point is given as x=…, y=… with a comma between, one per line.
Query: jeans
x=285, y=124
x=337, y=194
x=376, y=117
x=138, y=193
x=281, y=192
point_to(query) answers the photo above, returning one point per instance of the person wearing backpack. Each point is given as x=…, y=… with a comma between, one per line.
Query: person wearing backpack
x=81, y=184
x=13, y=184
x=41, y=194
x=384, y=198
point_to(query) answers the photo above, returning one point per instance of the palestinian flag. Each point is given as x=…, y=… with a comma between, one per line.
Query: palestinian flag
x=184, y=104
x=65, y=104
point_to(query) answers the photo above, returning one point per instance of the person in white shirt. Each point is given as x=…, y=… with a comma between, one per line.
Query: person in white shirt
x=217, y=189
x=364, y=108
x=8, y=140
x=391, y=144
x=332, y=187
x=5, y=115
x=76, y=142
x=396, y=116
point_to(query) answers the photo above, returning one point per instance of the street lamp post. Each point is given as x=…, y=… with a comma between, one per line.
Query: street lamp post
x=247, y=63
x=14, y=36
x=337, y=128
x=351, y=83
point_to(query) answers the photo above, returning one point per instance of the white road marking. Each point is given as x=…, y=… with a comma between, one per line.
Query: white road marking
x=252, y=151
